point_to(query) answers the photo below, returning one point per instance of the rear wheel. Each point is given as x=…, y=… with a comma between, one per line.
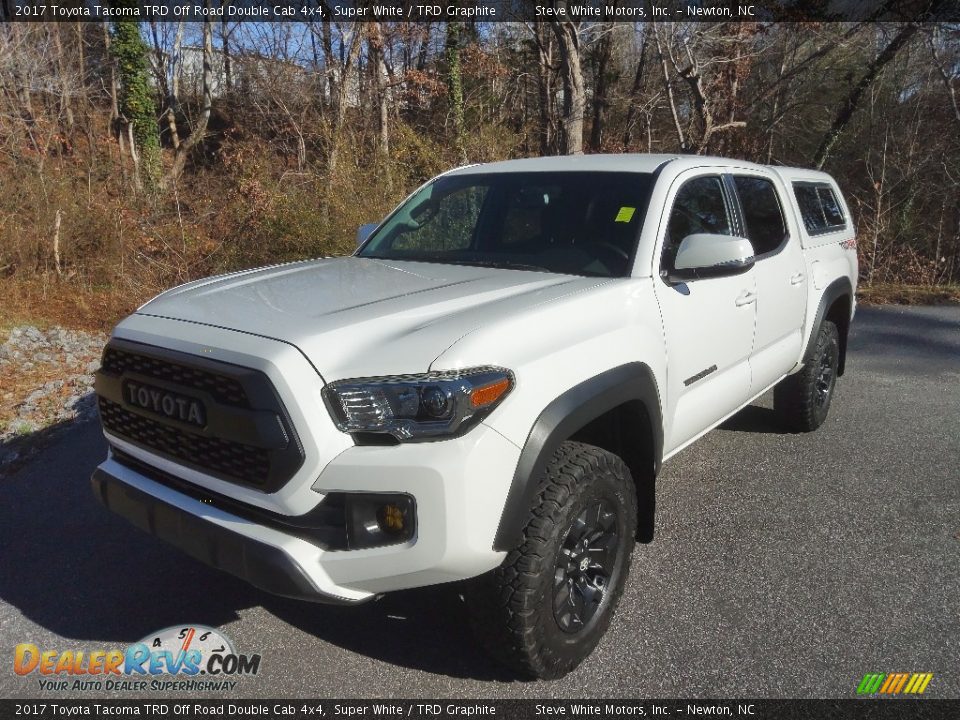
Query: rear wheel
x=803, y=399
x=545, y=609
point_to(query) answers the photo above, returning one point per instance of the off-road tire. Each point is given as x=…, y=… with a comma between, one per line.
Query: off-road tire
x=512, y=608
x=803, y=399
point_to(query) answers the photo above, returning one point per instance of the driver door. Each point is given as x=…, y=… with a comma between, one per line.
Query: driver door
x=708, y=323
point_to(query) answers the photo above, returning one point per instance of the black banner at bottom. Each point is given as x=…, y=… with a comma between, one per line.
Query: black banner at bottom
x=868, y=709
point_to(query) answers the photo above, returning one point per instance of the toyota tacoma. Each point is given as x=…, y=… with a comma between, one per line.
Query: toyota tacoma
x=485, y=390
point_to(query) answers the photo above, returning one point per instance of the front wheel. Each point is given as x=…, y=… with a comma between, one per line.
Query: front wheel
x=545, y=609
x=803, y=399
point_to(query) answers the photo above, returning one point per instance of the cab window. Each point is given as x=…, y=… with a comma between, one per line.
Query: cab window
x=444, y=226
x=765, y=227
x=819, y=208
x=699, y=207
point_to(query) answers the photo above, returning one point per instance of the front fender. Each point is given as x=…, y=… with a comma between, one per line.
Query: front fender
x=568, y=413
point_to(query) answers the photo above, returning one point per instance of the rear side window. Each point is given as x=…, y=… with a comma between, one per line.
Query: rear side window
x=762, y=214
x=819, y=208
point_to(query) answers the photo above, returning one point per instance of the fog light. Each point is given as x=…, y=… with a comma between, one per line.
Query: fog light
x=375, y=519
x=390, y=518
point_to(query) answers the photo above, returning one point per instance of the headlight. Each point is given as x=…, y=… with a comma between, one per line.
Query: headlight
x=414, y=407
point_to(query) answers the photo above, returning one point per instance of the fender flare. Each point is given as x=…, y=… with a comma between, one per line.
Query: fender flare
x=564, y=416
x=833, y=292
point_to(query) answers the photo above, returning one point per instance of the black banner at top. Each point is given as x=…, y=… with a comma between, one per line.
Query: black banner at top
x=483, y=10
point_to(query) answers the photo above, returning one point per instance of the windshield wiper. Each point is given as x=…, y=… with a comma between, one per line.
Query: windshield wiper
x=505, y=264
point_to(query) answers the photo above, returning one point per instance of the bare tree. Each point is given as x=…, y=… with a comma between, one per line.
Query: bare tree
x=852, y=101
x=226, y=48
x=574, y=90
x=455, y=87
x=948, y=76
x=544, y=43
x=634, y=98
x=604, y=78
x=339, y=62
x=199, y=130
x=378, y=69
x=712, y=80
x=166, y=61
x=668, y=86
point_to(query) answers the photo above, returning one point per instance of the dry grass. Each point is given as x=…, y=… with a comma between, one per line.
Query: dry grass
x=887, y=294
x=46, y=302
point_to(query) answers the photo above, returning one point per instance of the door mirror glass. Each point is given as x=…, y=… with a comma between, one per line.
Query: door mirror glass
x=364, y=231
x=705, y=255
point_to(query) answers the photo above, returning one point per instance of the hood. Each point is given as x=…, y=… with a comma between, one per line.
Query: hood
x=356, y=317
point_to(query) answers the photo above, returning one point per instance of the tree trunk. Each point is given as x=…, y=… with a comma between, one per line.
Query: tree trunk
x=544, y=41
x=947, y=77
x=378, y=68
x=66, y=107
x=198, y=132
x=115, y=126
x=227, y=57
x=136, y=99
x=340, y=106
x=167, y=75
x=601, y=102
x=635, y=91
x=57, y=265
x=671, y=100
x=21, y=85
x=849, y=106
x=455, y=88
x=173, y=101
x=574, y=92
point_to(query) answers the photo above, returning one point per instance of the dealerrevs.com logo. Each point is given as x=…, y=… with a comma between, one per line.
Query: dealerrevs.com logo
x=180, y=658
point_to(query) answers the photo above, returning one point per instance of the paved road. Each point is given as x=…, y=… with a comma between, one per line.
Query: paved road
x=784, y=565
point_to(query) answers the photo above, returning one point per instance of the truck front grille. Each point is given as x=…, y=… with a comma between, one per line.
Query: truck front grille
x=225, y=389
x=232, y=459
x=243, y=435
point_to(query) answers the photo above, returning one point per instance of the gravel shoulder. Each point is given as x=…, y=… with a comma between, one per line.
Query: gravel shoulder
x=46, y=379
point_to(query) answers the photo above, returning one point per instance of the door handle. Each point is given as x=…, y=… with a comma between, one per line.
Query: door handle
x=746, y=297
x=796, y=279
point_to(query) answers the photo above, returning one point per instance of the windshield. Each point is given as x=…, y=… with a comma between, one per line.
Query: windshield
x=576, y=223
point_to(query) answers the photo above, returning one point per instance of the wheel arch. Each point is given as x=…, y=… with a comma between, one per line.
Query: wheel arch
x=835, y=305
x=606, y=410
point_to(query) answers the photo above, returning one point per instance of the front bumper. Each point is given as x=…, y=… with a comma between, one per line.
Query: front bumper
x=458, y=485
x=261, y=564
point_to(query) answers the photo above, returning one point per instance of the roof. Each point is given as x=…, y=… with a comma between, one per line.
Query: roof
x=795, y=173
x=623, y=162
x=628, y=162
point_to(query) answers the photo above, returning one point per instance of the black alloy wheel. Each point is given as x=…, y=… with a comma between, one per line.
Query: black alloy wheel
x=585, y=566
x=825, y=379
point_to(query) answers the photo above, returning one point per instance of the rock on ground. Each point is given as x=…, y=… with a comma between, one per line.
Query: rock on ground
x=64, y=361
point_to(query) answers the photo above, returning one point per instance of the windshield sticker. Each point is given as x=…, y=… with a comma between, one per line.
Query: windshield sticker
x=625, y=214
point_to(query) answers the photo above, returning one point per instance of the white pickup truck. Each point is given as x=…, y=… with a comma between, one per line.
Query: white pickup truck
x=485, y=389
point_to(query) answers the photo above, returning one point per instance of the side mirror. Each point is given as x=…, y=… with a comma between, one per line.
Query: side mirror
x=705, y=255
x=364, y=231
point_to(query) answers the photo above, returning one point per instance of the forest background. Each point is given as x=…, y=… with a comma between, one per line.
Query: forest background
x=138, y=155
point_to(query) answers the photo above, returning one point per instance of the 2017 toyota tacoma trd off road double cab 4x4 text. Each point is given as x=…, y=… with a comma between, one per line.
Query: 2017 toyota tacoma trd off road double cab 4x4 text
x=485, y=390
